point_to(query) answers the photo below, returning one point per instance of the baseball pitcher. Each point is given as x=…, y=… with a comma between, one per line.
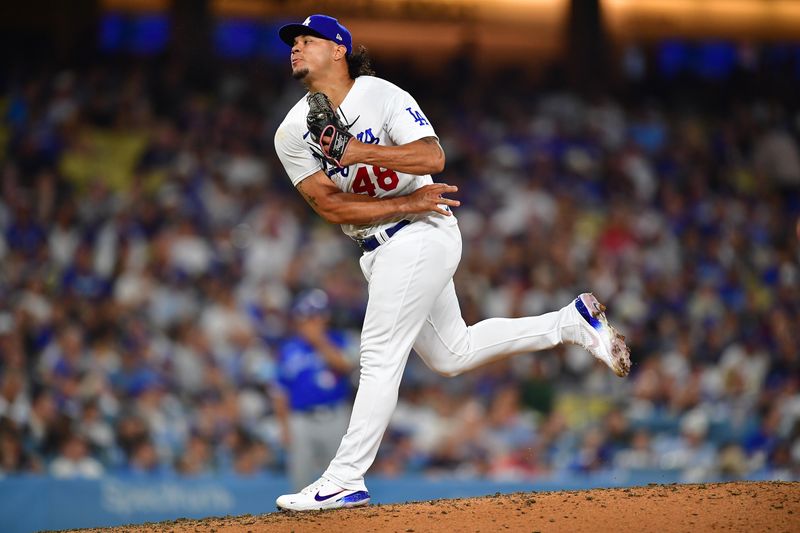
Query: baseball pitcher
x=361, y=152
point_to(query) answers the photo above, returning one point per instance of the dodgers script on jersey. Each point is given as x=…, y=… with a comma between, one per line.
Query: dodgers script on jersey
x=378, y=112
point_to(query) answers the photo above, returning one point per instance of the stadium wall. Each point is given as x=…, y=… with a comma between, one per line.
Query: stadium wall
x=32, y=503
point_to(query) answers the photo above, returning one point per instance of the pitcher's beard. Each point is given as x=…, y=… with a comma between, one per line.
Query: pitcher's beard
x=300, y=73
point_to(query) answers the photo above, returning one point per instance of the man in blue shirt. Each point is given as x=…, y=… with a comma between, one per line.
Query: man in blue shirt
x=312, y=390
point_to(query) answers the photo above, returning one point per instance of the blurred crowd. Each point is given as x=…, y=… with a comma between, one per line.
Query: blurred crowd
x=151, y=246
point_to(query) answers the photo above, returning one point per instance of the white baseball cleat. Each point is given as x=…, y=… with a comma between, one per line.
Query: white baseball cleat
x=322, y=494
x=598, y=336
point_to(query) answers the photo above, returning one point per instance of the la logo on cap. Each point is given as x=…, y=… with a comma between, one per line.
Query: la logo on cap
x=307, y=21
x=338, y=36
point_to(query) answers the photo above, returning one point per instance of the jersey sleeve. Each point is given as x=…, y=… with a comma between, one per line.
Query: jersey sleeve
x=405, y=121
x=295, y=155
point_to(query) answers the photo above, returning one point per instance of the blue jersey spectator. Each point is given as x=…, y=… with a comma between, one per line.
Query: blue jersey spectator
x=312, y=389
x=305, y=376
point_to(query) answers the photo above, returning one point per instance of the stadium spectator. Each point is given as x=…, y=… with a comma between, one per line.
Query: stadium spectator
x=74, y=461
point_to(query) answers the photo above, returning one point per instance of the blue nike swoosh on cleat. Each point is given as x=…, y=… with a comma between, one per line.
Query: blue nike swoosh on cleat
x=584, y=312
x=328, y=497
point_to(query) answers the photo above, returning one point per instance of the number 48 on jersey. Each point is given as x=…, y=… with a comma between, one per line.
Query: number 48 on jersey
x=367, y=177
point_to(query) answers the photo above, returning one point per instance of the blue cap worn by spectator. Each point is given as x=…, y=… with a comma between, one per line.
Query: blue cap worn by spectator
x=313, y=302
x=320, y=26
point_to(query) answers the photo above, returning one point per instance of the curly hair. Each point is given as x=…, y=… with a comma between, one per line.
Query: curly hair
x=359, y=63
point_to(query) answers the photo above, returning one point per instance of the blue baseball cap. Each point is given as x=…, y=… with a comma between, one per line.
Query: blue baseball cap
x=310, y=303
x=319, y=26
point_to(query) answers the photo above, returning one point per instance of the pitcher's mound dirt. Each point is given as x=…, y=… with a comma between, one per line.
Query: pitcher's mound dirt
x=744, y=506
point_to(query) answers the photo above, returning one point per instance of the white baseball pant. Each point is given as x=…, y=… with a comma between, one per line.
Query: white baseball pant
x=412, y=303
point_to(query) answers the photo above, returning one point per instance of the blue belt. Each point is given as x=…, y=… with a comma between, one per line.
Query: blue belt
x=372, y=242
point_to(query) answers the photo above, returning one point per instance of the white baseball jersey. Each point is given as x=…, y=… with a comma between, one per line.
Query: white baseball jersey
x=380, y=113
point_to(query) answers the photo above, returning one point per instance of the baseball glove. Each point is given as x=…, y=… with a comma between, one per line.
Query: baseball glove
x=324, y=123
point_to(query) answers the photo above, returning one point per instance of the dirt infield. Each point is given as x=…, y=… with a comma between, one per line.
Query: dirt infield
x=741, y=506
